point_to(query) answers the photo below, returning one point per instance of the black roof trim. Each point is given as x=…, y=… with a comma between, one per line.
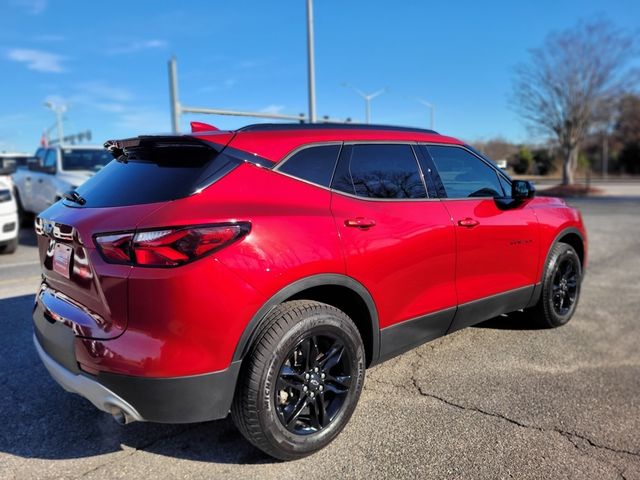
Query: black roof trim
x=270, y=127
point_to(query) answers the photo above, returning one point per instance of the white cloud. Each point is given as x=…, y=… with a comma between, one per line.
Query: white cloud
x=143, y=120
x=103, y=90
x=273, y=109
x=248, y=64
x=37, y=59
x=97, y=95
x=138, y=46
x=49, y=38
x=33, y=7
x=226, y=84
x=110, y=107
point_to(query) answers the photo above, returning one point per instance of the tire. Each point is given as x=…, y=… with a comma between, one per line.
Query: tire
x=25, y=218
x=275, y=382
x=10, y=247
x=559, y=298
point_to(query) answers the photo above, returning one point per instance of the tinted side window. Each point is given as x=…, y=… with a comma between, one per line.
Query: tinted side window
x=463, y=174
x=314, y=164
x=50, y=158
x=381, y=171
x=169, y=174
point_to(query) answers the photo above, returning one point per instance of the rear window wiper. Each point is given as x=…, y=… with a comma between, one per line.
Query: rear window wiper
x=74, y=197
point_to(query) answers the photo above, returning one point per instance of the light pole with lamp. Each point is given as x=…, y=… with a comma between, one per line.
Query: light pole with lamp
x=58, y=110
x=367, y=99
x=431, y=108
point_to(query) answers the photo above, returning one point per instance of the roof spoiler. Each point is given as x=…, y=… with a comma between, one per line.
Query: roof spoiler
x=121, y=150
x=197, y=127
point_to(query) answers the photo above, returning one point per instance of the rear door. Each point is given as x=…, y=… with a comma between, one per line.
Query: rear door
x=497, y=242
x=41, y=182
x=397, y=242
x=28, y=179
x=47, y=191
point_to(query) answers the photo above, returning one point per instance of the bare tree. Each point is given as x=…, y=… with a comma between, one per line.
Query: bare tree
x=570, y=80
x=496, y=148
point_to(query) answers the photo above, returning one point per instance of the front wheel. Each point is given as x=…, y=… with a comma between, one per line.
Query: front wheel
x=25, y=219
x=560, y=288
x=10, y=247
x=301, y=381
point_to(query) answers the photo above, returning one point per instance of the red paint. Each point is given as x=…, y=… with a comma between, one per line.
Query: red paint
x=414, y=257
x=197, y=127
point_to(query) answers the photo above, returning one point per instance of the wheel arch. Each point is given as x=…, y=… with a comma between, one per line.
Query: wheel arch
x=340, y=291
x=571, y=236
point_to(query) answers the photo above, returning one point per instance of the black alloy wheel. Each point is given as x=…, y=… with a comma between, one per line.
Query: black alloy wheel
x=313, y=384
x=301, y=379
x=560, y=288
x=565, y=285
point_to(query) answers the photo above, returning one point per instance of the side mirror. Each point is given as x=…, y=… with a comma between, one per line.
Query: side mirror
x=34, y=163
x=7, y=166
x=522, y=190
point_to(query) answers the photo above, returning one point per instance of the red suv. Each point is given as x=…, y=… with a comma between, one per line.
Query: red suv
x=260, y=271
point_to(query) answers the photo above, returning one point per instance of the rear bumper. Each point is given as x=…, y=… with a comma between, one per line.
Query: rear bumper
x=189, y=399
x=99, y=395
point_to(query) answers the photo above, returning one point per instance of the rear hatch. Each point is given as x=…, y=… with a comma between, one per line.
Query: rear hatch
x=79, y=287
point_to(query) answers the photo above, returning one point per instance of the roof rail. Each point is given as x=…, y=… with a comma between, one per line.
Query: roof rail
x=267, y=127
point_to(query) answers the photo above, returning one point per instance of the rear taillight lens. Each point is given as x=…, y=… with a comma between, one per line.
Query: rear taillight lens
x=168, y=247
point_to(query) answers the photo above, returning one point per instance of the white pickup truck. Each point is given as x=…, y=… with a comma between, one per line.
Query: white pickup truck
x=55, y=170
x=8, y=208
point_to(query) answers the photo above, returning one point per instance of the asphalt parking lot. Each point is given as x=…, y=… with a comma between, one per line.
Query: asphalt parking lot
x=500, y=400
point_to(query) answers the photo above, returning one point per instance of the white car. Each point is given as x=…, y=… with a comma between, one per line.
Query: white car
x=8, y=218
x=56, y=170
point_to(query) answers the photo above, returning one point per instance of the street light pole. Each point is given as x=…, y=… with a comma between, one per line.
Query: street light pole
x=430, y=107
x=173, y=95
x=311, y=63
x=58, y=110
x=367, y=99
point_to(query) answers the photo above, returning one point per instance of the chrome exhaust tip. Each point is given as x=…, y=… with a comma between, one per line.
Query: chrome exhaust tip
x=121, y=417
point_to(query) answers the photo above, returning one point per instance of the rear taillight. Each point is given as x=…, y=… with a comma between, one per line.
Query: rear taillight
x=168, y=247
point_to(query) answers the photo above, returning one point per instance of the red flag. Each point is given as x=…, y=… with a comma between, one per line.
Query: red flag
x=43, y=140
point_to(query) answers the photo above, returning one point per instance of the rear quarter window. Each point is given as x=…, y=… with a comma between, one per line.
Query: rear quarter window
x=314, y=164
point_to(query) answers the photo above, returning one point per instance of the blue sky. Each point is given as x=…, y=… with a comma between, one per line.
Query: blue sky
x=108, y=61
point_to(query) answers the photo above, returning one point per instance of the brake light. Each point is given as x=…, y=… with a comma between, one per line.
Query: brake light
x=168, y=247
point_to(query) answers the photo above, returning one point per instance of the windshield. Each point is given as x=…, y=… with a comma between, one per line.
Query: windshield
x=85, y=159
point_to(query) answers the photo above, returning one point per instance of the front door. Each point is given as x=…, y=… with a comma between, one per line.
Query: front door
x=497, y=243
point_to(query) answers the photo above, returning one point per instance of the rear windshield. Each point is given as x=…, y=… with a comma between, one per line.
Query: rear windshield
x=154, y=176
x=85, y=159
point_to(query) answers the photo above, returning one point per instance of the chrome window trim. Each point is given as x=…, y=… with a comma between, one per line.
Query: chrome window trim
x=297, y=150
x=495, y=169
x=350, y=143
x=409, y=143
x=397, y=200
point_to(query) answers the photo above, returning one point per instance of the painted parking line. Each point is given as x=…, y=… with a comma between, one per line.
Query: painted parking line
x=19, y=264
x=20, y=280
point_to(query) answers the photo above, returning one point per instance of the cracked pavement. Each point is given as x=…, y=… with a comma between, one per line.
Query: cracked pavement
x=500, y=400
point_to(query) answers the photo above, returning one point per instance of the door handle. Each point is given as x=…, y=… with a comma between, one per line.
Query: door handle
x=39, y=180
x=468, y=222
x=360, y=222
x=28, y=179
